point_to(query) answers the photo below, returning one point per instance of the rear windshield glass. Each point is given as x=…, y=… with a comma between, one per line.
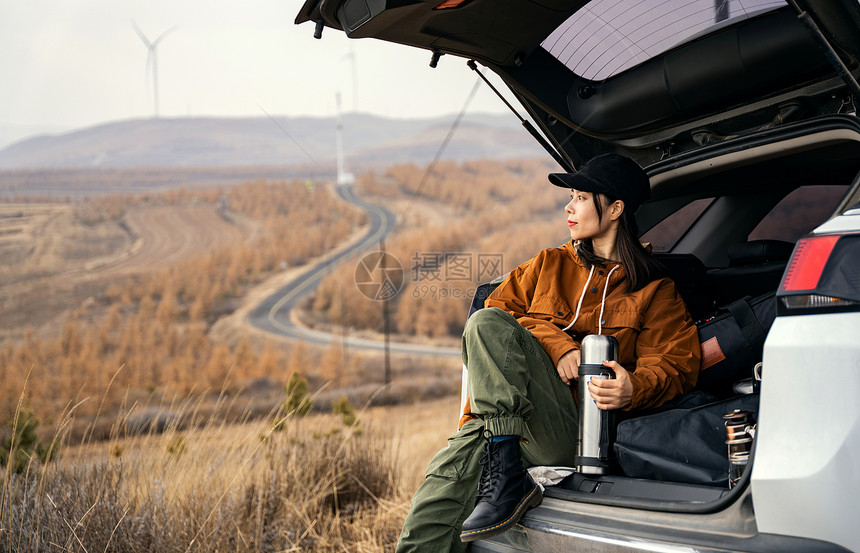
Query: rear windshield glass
x=798, y=213
x=606, y=37
x=664, y=235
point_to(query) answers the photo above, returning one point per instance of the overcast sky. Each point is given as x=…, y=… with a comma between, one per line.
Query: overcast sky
x=75, y=63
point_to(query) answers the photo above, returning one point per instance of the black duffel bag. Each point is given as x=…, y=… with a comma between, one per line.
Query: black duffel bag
x=680, y=445
x=733, y=342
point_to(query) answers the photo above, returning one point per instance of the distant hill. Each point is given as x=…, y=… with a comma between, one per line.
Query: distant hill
x=232, y=142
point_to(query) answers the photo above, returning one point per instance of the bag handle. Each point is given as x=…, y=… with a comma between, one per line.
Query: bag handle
x=751, y=329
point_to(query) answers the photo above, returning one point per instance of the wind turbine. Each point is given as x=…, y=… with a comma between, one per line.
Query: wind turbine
x=352, y=61
x=152, y=58
x=343, y=177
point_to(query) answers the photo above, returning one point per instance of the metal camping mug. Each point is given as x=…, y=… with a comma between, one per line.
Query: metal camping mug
x=740, y=425
x=596, y=426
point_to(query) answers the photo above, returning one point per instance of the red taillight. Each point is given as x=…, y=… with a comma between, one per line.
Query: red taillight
x=807, y=263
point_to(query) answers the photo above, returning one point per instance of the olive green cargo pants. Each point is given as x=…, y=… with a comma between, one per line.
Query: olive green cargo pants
x=515, y=389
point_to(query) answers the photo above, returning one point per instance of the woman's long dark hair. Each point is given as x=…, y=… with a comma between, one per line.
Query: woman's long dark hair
x=640, y=265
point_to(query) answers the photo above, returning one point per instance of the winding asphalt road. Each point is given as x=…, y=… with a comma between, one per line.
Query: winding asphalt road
x=273, y=314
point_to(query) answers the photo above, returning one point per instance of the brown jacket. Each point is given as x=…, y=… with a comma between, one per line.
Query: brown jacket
x=658, y=341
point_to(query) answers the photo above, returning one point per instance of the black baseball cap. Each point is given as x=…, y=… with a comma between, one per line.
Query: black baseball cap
x=615, y=175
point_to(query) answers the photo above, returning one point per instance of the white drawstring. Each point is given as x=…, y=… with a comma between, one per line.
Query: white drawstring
x=581, y=296
x=603, y=301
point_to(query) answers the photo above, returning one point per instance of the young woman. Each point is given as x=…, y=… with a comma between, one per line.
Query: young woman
x=522, y=354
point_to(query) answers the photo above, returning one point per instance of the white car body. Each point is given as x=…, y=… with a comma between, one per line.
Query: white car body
x=806, y=476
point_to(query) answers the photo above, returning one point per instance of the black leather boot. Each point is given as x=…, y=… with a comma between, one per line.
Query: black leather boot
x=505, y=491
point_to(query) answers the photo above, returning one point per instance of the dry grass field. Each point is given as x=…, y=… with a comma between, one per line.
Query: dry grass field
x=321, y=483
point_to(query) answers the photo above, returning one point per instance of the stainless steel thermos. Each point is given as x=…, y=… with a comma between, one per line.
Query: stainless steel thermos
x=596, y=426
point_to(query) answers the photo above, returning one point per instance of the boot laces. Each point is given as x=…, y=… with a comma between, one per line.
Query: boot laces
x=491, y=473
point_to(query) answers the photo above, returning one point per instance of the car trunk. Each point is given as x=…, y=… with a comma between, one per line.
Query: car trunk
x=823, y=154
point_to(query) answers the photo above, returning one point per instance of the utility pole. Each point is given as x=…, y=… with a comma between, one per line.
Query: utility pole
x=386, y=328
x=344, y=324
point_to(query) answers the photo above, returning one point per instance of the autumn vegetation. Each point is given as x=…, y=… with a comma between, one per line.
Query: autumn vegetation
x=321, y=483
x=149, y=331
x=460, y=225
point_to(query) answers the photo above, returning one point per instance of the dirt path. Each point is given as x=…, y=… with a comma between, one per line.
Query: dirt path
x=52, y=261
x=166, y=235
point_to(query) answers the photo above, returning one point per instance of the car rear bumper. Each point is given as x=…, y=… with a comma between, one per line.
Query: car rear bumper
x=559, y=526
